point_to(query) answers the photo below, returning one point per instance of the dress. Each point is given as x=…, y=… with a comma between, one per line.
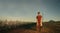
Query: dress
x=39, y=18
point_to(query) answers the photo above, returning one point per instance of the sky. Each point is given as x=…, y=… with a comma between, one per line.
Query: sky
x=26, y=10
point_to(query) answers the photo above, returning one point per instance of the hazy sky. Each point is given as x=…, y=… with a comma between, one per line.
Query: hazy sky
x=26, y=10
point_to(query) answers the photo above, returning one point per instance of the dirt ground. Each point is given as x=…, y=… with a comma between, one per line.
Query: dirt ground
x=47, y=28
x=43, y=30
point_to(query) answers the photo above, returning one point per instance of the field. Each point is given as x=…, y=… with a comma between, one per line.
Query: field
x=48, y=27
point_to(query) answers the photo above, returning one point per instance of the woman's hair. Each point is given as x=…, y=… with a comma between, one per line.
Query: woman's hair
x=38, y=12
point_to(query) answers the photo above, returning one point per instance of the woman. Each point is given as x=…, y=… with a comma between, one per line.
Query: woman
x=39, y=21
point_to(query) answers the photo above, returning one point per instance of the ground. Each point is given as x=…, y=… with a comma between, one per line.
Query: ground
x=48, y=27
